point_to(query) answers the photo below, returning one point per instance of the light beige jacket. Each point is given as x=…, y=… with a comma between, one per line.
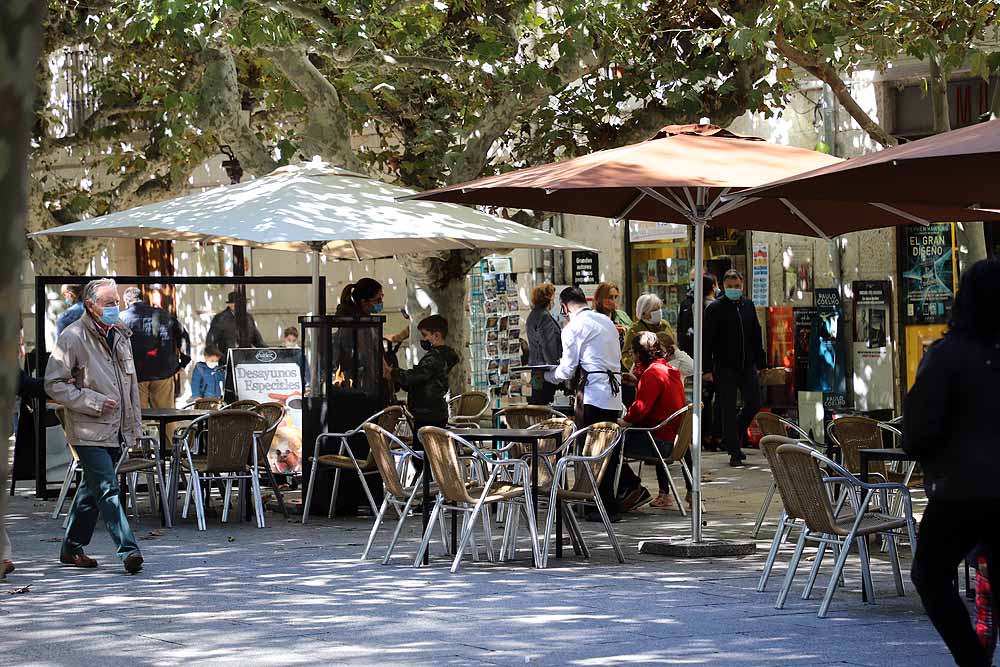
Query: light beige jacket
x=83, y=371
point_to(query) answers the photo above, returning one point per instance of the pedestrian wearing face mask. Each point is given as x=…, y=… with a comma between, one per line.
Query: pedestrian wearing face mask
x=208, y=375
x=649, y=317
x=92, y=373
x=734, y=353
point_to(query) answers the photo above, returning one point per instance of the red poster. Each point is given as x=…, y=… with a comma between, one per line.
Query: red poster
x=781, y=330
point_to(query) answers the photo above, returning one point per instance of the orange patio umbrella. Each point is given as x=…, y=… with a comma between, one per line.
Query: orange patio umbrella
x=692, y=174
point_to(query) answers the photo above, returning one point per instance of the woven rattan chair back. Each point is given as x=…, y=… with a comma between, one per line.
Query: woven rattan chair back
x=63, y=416
x=567, y=425
x=600, y=437
x=771, y=424
x=469, y=405
x=442, y=455
x=206, y=403
x=273, y=414
x=522, y=417
x=380, y=446
x=786, y=488
x=243, y=404
x=228, y=439
x=803, y=472
x=854, y=433
x=684, y=438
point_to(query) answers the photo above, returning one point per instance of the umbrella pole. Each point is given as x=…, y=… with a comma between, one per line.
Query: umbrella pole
x=699, y=316
x=315, y=279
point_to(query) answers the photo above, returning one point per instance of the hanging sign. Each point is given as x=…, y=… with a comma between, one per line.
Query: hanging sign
x=759, y=292
x=655, y=231
x=873, y=362
x=274, y=375
x=586, y=268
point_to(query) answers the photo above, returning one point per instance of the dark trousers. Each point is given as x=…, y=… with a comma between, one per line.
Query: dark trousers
x=98, y=496
x=729, y=382
x=711, y=422
x=593, y=415
x=948, y=532
x=418, y=446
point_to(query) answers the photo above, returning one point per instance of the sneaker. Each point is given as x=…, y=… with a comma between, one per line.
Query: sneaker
x=662, y=501
x=636, y=499
x=133, y=562
x=736, y=461
x=8, y=567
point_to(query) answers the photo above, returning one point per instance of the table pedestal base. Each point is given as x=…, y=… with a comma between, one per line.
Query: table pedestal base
x=687, y=548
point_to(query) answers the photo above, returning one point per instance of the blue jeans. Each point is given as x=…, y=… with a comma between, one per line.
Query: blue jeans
x=98, y=494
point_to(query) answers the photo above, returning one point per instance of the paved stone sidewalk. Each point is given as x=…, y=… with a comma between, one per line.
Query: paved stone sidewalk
x=293, y=594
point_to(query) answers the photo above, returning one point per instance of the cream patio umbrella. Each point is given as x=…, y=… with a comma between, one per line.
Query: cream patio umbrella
x=313, y=207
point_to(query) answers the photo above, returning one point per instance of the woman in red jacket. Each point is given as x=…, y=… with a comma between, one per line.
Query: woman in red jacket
x=660, y=393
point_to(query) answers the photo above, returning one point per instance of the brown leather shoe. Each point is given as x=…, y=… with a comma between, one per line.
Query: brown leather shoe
x=77, y=560
x=133, y=562
x=8, y=567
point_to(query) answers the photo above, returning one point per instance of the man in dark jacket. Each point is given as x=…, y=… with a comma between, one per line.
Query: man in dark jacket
x=734, y=352
x=426, y=384
x=949, y=426
x=156, y=342
x=222, y=330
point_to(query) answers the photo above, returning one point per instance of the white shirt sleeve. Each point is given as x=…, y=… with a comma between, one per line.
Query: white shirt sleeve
x=683, y=362
x=571, y=343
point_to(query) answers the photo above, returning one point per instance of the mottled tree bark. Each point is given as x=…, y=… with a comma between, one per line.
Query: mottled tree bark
x=20, y=44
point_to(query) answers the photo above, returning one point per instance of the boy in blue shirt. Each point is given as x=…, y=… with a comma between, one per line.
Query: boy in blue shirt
x=208, y=376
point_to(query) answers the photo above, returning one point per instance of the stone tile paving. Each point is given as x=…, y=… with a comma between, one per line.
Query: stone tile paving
x=293, y=594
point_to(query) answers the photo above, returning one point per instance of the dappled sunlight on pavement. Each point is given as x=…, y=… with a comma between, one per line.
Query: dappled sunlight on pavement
x=293, y=594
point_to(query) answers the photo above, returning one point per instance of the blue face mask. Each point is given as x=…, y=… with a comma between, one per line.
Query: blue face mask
x=110, y=315
x=377, y=308
x=68, y=300
x=734, y=293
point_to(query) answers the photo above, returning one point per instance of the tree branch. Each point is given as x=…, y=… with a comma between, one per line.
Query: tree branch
x=328, y=128
x=828, y=75
x=297, y=10
x=467, y=161
x=220, y=110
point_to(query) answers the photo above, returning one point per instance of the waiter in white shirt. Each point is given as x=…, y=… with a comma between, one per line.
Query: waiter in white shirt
x=592, y=358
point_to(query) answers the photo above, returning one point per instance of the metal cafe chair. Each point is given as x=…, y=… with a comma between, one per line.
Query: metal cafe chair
x=589, y=466
x=825, y=526
x=654, y=454
x=441, y=449
x=228, y=444
x=468, y=407
x=771, y=424
x=392, y=455
x=344, y=459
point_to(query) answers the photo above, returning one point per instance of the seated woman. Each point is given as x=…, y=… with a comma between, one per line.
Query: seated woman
x=659, y=394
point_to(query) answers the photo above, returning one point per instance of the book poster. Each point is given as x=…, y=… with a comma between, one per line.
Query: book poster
x=873, y=361
x=274, y=375
x=781, y=336
x=826, y=365
x=797, y=261
x=803, y=322
x=928, y=273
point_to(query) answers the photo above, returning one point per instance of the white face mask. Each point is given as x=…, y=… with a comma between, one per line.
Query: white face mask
x=212, y=364
x=291, y=343
x=654, y=317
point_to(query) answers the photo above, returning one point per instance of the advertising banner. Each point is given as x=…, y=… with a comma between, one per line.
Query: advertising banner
x=928, y=273
x=803, y=319
x=586, y=267
x=781, y=336
x=759, y=287
x=873, y=362
x=274, y=375
x=826, y=365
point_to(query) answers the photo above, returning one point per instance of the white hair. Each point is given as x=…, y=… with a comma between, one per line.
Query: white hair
x=646, y=304
x=90, y=291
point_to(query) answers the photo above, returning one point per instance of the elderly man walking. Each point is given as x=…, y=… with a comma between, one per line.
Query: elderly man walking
x=92, y=373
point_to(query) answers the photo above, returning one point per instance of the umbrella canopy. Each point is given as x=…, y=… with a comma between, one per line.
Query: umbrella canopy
x=691, y=170
x=957, y=167
x=311, y=207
